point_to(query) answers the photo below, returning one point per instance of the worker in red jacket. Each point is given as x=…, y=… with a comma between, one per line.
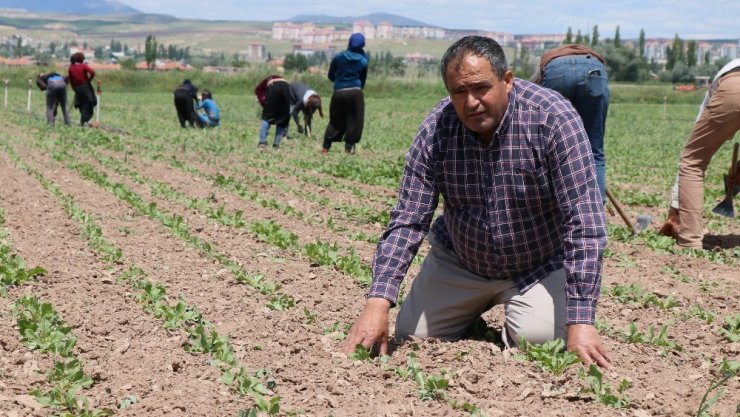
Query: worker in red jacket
x=80, y=76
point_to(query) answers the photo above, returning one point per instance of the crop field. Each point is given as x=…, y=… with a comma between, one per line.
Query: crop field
x=149, y=270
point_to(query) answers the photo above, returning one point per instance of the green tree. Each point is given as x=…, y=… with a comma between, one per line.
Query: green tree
x=677, y=53
x=579, y=37
x=623, y=63
x=568, y=36
x=617, y=39
x=595, y=35
x=641, y=43
x=691, y=58
x=19, y=47
x=150, y=51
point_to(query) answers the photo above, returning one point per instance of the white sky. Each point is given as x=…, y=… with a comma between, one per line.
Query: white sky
x=665, y=18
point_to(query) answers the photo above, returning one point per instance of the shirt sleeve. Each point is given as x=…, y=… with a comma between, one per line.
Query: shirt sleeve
x=409, y=220
x=90, y=71
x=574, y=181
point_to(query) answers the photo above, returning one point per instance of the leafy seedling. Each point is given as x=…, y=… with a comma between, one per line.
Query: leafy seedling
x=550, y=356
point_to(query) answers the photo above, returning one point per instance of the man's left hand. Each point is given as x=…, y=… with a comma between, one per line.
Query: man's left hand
x=583, y=339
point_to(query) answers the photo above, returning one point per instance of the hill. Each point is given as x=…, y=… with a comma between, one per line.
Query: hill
x=74, y=7
x=373, y=18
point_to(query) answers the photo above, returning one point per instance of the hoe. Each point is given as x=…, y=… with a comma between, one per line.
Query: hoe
x=642, y=220
x=725, y=207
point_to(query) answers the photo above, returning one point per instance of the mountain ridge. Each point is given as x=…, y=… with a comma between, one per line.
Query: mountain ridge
x=373, y=18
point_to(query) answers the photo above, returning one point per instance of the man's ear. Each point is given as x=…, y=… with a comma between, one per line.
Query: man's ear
x=509, y=80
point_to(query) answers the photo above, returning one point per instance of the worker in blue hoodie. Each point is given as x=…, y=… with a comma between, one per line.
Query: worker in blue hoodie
x=348, y=71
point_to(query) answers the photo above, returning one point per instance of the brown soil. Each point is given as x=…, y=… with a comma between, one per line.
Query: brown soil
x=128, y=352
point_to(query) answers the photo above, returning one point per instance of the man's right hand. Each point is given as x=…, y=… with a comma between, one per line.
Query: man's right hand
x=370, y=328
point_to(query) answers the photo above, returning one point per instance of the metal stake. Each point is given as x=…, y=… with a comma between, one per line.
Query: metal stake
x=28, y=107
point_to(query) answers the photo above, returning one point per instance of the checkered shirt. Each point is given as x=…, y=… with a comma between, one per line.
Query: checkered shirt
x=519, y=208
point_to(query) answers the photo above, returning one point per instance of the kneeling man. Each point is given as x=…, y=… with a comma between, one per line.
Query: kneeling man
x=523, y=222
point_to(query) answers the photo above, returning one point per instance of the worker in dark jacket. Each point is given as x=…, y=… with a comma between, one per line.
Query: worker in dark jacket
x=186, y=95
x=275, y=109
x=348, y=71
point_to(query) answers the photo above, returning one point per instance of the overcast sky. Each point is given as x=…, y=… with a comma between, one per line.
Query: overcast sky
x=665, y=18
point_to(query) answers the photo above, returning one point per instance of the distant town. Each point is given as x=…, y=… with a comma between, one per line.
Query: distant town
x=310, y=38
x=316, y=43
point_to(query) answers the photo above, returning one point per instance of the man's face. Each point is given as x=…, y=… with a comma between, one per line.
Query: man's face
x=480, y=98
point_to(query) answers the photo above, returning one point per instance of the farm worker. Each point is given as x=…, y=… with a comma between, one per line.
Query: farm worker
x=523, y=223
x=348, y=71
x=212, y=114
x=579, y=74
x=304, y=100
x=275, y=101
x=717, y=122
x=56, y=95
x=80, y=77
x=186, y=94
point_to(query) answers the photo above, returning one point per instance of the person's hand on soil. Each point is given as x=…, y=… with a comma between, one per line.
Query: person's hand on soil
x=370, y=328
x=583, y=339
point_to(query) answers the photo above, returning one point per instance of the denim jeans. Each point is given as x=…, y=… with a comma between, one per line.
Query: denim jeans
x=583, y=80
x=206, y=121
x=280, y=132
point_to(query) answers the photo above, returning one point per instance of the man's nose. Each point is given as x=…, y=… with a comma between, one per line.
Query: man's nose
x=471, y=101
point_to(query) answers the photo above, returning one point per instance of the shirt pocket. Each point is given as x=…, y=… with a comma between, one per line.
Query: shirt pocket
x=524, y=189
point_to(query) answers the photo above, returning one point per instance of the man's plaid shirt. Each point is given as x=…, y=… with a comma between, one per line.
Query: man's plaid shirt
x=519, y=208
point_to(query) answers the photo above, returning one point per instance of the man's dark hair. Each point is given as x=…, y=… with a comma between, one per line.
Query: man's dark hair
x=479, y=46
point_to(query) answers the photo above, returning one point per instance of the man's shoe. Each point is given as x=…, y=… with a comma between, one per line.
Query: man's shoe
x=262, y=145
x=324, y=151
x=274, y=146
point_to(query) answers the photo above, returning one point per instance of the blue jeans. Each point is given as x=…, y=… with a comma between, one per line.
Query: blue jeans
x=207, y=121
x=583, y=80
x=280, y=132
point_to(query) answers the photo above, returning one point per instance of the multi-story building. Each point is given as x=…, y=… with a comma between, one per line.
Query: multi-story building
x=655, y=50
x=257, y=51
x=728, y=50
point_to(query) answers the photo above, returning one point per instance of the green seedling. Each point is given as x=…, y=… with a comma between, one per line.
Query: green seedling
x=699, y=312
x=731, y=329
x=361, y=353
x=281, y=302
x=602, y=391
x=310, y=317
x=338, y=330
x=632, y=335
x=128, y=401
x=634, y=294
x=676, y=274
x=431, y=387
x=727, y=370
x=550, y=356
x=274, y=234
x=152, y=297
x=179, y=314
x=41, y=328
x=13, y=271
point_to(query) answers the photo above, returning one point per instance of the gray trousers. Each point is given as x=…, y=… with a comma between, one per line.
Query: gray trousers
x=445, y=298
